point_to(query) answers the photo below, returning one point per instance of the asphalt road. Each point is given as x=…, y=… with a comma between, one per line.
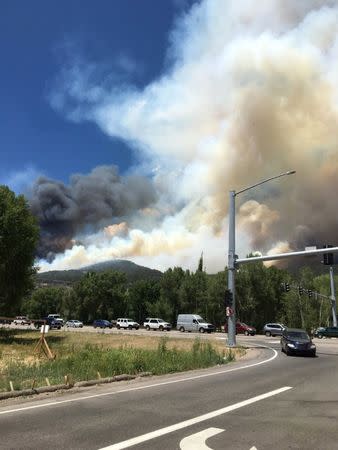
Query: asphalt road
x=268, y=401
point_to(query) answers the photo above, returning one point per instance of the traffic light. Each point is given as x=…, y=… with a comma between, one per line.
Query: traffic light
x=328, y=257
x=309, y=293
x=228, y=298
x=287, y=287
x=300, y=290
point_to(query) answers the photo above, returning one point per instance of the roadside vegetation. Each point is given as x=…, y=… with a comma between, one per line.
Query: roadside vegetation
x=87, y=356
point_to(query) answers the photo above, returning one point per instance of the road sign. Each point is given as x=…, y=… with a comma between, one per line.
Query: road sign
x=229, y=311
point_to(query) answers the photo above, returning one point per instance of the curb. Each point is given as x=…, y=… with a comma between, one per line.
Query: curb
x=59, y=387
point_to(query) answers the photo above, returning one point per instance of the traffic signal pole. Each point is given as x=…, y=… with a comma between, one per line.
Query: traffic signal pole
x=231, y=270
x=333, y=299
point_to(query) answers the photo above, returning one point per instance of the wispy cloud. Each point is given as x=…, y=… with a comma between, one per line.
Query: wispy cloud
x=20, y=181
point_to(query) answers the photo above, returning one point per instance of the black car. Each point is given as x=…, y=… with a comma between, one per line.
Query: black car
x=296, y=342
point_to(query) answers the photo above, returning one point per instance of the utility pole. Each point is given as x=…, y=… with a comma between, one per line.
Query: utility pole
x=231, y=270
x=333, y=299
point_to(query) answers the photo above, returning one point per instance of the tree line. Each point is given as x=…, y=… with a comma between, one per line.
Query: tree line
x=259, y=298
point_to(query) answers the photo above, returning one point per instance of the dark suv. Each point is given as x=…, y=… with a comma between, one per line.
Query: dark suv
x=326, y=332
x=100, y=323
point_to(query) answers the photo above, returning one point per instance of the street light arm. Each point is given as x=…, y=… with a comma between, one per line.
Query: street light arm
x=289, y=172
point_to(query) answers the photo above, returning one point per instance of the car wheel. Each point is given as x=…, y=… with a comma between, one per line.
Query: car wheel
x=118, y=327
x=182, y=330
x=320, y=336
x=160, y=328
x=130, y=327
x=94, y=326
x=268, y=333
x=246, y=333
x=136, y=328
x=201, y=330
x=147, y=327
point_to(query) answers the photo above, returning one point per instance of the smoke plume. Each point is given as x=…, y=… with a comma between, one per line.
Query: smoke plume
x=251, y=91
x=89, y=201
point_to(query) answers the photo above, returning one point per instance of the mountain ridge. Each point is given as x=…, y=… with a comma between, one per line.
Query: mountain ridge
x=132, y=270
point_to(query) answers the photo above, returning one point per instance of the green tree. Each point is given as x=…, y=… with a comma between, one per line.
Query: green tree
x=200, y=263
x=170, y=285
x=141, y=295
x=100, y=295
x=46, y=300
x=258, y=296
x=216, y=285
x=19, y=234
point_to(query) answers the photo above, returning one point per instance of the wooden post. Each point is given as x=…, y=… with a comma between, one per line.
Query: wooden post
x=43, y=346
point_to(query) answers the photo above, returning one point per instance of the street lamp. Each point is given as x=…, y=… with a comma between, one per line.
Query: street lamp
x=232, y=254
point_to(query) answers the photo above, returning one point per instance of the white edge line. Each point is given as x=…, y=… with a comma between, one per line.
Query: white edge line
x=139, y=388
x=195, y=420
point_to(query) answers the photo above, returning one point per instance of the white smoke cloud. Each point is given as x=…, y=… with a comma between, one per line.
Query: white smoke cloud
x=252, y=91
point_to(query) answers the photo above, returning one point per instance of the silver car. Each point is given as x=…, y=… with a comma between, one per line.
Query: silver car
x=273, y=329
x=74, y=324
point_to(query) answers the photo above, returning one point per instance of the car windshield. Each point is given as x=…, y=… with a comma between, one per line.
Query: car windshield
x=298, y=335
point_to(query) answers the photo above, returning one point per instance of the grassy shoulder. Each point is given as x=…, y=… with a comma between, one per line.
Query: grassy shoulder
x=86, y=356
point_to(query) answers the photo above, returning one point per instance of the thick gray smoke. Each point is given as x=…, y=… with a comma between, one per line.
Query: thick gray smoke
x=89, y=201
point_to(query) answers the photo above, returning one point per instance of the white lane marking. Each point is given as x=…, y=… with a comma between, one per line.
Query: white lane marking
x=197, y=441
x=187, y=423
x=139, y=388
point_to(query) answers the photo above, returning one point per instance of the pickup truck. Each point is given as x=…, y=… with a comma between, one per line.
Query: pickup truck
x=156, y=324
x=53, y=323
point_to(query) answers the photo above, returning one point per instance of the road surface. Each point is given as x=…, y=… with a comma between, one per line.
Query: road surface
x=270, y=401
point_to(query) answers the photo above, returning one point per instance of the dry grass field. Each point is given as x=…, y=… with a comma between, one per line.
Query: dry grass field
x=84, y=354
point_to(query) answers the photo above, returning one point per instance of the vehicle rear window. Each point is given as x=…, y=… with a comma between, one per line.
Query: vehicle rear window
x=298, y=335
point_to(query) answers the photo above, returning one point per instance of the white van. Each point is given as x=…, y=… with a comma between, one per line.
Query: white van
x=193, y=322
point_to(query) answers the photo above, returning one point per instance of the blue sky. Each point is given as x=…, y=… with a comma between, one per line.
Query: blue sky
x=37, y=39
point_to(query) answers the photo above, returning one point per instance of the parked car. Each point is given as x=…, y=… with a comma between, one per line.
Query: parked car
x=156, y=324
x=273, y=329
x=74, y=324
x=326, y=332
x=57, y=318
x=193, y=322
x=242, y=328
x=127, y=324
x=101, y=323
x=22, y=320
x=4, y=321
x=295, y=341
